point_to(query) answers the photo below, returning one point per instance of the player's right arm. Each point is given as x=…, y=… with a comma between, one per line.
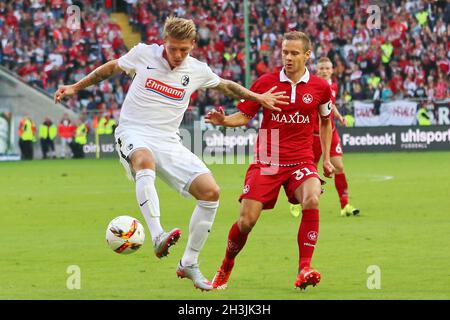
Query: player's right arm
x=267, y=99
x=247, y=110
x=218, y=118
x=105, y=71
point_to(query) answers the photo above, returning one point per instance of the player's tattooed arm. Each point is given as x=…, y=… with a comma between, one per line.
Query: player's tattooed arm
x=103, y=72
x=218, y=118
x=268, y=99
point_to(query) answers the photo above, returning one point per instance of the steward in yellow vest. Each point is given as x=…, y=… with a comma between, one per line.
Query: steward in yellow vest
x=47, y=135
x=422, y=117
x=106, y=125
x=386, y=52
x=349, y=120
x=27, y=136
x=80, y=139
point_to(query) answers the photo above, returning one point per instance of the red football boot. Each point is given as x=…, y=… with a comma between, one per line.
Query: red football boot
x=221, y=278
x=307, y=277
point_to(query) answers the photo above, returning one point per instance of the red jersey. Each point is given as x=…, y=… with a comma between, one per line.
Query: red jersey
x=66, y=129
x=309, y=97
x=334, y=91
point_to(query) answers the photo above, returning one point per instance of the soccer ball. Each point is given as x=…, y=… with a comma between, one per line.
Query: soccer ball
x=125, y=234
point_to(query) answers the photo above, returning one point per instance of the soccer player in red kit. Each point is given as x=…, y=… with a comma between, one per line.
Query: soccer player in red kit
x=325, y=71
x=283, y=155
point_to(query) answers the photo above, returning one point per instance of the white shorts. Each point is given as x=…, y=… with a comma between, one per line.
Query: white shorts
x=175, y=164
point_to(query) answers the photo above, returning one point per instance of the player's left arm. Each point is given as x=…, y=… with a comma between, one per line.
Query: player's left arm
x=325, y=137
x=267, y=99
x=339, y=116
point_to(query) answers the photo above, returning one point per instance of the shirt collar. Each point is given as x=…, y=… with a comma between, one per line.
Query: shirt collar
x=304, y=78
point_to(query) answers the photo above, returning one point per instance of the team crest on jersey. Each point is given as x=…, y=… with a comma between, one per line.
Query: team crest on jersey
x=307, y=98
x=164, y=90
x=246, y=189
x=185, y=80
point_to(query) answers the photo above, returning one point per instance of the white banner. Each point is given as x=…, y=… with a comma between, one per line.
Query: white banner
x=394, y=113
x=5, y=132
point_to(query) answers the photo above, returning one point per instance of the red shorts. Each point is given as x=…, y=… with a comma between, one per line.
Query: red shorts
x=335, y=150
x=264, y=187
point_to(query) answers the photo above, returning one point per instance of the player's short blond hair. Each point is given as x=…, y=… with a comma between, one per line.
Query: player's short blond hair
x=324, y=60
x=179, y=28
x=298, y=35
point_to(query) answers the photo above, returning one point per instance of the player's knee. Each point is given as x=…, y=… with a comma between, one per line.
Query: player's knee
x=246, y=224
x=311, y=201
x=142, y=160
x=339, y=168
x=212, y=193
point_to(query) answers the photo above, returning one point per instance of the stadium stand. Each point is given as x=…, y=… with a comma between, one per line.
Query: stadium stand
x=417, y=33
x=37, y=45
x=407, y=58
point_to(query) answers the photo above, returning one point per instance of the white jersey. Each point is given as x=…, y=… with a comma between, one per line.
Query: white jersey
x=159, y=96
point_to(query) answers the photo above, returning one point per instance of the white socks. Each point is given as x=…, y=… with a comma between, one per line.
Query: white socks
x=148, y=200
x=199, y=227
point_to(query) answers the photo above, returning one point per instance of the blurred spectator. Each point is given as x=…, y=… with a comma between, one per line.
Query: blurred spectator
x=386, y=93
x=377, y=97
x=66, y=132
x=358, y=94
x=106, y=125
x=423, y=118
x=27, y=136
x=36, y=44
x=80, y=139
x=441, y=88
x=410, y=86
x=47, y=135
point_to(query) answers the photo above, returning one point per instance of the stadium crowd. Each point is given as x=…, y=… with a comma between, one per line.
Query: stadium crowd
x=37, y=43
x=409, y=56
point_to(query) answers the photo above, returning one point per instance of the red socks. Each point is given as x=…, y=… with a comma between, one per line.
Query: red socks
x=307, y=236
x=236, y=241
x=306, y=239
x=341, y=186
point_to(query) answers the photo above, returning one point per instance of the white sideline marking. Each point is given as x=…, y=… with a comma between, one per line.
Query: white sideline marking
x=381, y=178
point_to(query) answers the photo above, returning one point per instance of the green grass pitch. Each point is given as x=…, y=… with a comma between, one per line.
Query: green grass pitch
x=53, y=214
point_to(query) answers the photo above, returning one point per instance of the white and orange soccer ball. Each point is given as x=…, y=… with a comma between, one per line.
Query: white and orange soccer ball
x=125, y=234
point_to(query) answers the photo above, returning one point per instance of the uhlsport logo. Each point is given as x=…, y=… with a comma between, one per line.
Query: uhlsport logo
x=312, y=235
x=307, y=98
x=164, y=90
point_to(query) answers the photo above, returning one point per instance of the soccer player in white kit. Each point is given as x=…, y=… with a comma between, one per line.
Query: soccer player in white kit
x=164, y=77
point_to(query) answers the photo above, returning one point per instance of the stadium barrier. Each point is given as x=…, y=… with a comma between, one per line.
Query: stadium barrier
x=6, y=132
x=104, y=147
x=395, y=138
x=223, y=146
